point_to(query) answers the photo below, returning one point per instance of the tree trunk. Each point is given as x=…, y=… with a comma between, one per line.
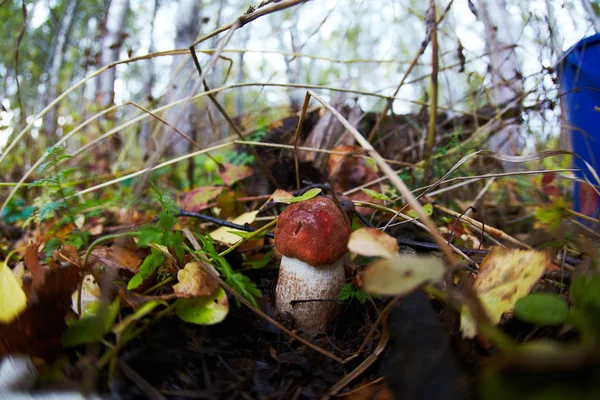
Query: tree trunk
x=183, y=117
x=504, y=65
x=111, y=44
x=63, y=34
x=148, y=78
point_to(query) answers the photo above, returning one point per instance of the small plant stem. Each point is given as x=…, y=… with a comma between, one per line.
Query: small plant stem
x=105, y=239
x=434, y=84
x=159, y=284
x=250, y=236
x=125, y=338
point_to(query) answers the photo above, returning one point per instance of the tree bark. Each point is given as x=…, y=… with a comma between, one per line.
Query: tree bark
x=111, y=45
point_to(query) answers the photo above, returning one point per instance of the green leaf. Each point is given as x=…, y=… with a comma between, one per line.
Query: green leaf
x=542, y=309
x=78, y=239
x=428, y=208
x=96, y=321
x=262, y=262
x=166, y=221
x=148, y=235
x=578, y=289
x=376, y=195
x=149, y=265
x=306, y=196
x=51, y=245
x=349, y=292
x=592, y=293
x=238, y=281
x=51, y=207
x=244, y=286
x=205, y=310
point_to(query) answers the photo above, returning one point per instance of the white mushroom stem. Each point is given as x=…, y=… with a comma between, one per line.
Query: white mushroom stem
x=301, y=281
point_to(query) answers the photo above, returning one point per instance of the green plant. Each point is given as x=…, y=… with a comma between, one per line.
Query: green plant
x=237, y=280
x=66, y=209
x=160, y=234
x=349, y=292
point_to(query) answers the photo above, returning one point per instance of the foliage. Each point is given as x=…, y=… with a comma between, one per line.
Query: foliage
x=237, y=280
x=160, y=234
x=349, y=292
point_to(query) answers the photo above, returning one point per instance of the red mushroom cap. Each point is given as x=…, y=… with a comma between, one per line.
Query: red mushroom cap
x=314, y=231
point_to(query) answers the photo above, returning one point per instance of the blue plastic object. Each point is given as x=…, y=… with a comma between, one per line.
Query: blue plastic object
x=580, y=87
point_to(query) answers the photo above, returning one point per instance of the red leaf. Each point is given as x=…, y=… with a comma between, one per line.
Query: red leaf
x=197, y=199
x=233, y=173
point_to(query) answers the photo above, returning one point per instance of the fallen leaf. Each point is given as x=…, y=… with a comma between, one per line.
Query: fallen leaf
x=12, y=297
x=97, y=319
x=505, y=276
x=37, y=330
x=234, y=173
x=223, y=233
x=401, y=274
x=194, y=281
x=197, y=199
x=116, y=258
x=376, y=195
x=90, y=292
x=372, y=242
x=206, y=310
x=428, y=208
x=32, y=262
x=309, y=194
x=279, y=196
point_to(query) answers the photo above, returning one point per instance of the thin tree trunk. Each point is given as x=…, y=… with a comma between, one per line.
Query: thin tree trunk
x=62, y=40
x=505, y=70
x=111, y=44
x=183, y=117
x=148, y=77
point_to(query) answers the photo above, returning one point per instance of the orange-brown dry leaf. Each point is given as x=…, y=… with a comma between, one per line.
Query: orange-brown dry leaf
x=505, y=276
x=32, y=262
x=116, y=258
x=195, y=281
x=37, y=330
x=68, y=252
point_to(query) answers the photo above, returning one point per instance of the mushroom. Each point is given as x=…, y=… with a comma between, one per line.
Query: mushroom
x=312, y=236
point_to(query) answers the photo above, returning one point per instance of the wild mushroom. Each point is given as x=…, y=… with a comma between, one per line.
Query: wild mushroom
x=312, y=236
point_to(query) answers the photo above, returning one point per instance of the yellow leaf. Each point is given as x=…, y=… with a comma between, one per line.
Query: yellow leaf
x=194, y=280
x=372, y=242
x=401, y=274
x=12, y=298
x=223, y=233
x=505, y=276
x=280, y=195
